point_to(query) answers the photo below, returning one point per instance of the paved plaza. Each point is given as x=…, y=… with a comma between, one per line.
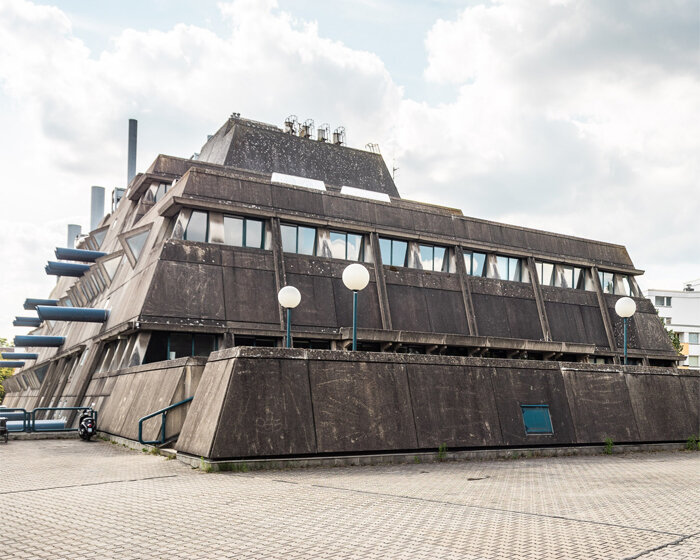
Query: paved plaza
x=71, y=499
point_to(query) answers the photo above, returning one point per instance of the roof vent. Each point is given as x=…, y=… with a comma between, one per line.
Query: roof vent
x=339, y=136
x=307, y=129
x=362, y=193
x=290, y=124
x=296, y=181
x=323, y=133
x=374, y=148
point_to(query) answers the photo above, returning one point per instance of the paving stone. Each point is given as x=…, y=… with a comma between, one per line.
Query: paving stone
x=140, y=506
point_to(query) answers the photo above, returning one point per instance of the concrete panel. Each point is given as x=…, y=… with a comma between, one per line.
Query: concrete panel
x=566, y=323
x=186, y=290
x=361, y=406
x=600, y=406
x=267, y=411
x=491, y=316
x=446, y=311
x=251, y=296
x=202, y=422
x=317, y=307
x=454, y=405
x=516, y=386
x=409, y=309
x=691, y=389
x=368, y=313
x=660, y=407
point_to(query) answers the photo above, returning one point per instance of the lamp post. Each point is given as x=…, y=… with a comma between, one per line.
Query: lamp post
x=625, y=308
x=289, y=297
x=355, y=278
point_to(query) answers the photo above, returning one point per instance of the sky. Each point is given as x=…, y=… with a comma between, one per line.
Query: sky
x=579, y=117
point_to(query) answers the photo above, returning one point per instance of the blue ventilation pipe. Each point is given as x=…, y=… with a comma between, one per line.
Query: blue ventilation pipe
x=82, y=255
x=12, y=364
x=79, y=314
x=31, y=303
x=38, y=341
x=66, y=269
x=19, y=356
x=27, y=322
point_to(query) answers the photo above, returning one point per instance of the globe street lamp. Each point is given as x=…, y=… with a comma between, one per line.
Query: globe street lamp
x=355, y=278
x=289, y=297
x=625, y=308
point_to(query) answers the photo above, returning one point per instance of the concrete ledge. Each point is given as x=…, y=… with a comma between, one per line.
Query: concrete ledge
x=421, y=457
x=43, y=435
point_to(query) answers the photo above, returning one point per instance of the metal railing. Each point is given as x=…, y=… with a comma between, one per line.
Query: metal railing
x=164, y=413
x=30, y=422
x=33, y=419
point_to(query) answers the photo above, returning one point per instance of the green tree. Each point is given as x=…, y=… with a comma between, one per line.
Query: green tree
x=4, y=372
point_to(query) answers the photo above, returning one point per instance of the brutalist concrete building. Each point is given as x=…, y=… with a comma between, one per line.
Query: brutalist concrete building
x=471, y=333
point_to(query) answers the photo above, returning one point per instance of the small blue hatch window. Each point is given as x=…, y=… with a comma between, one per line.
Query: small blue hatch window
x=537, y=419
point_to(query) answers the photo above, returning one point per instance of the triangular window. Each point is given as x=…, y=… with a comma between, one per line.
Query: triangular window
x=136, y=243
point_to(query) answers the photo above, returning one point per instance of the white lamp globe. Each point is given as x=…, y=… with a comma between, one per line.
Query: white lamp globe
x=625, y=307
x=355, y=277
x=289, y=297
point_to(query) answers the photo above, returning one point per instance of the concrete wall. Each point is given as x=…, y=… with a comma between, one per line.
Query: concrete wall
x=277, y=402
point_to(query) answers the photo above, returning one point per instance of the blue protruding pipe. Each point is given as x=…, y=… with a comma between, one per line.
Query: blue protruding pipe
x=27, y=322
x=81, y=314
x=12, y=364
x=82, y=255
x=31, y=303
x=19, y=356
x=66, y=269
x=38, y=341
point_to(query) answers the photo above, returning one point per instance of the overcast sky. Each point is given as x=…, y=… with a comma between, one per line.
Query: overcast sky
x=580, y=117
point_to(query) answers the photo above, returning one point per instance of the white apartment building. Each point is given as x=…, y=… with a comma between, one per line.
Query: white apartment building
x=680, y=311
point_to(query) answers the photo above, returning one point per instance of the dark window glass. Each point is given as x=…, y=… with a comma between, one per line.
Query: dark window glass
x=204, y=344
x=161, y=190
x=253, y=233
x=179, y=344
x=537, y=419
x=157, y=350
x=197, y=227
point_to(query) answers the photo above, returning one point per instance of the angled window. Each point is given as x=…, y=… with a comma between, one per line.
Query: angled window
x=545, y=273
x=475, y=263
x=99, y=236
x=112, y=265
x=537, y=419
x=432, y=258
x=298, y=239
x=136, y=243
x=607, y=282
x=347, y=246
x=243, y=232
x=161, y=190
x=393, y=251
x=197, y=227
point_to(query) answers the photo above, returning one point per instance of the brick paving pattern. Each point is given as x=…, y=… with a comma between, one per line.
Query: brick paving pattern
x=643, y=505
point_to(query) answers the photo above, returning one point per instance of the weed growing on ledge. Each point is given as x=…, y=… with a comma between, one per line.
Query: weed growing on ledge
x=693, y=443
x=442, y=452
x=608, y=446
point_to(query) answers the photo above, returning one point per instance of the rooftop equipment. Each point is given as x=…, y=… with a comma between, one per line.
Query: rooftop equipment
x=323, y=133
x=76, y=314
x=307, y=129
x=97, y=206
x=131, y=163
x=82, y=255
x=74, y=231
x=339, y=136
x=39, y=341
x=290, y=124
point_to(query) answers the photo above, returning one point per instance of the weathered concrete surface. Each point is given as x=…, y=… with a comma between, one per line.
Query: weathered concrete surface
x=284, y=402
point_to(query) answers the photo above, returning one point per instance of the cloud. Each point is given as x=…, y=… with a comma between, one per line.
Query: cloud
x=571, y=116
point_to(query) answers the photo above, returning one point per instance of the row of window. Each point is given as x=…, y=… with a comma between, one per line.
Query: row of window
x=662, y=301
x=308, y=240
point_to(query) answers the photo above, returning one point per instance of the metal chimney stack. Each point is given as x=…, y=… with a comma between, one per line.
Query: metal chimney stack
x=74, y=230
x=131, y=169
x=97, y=206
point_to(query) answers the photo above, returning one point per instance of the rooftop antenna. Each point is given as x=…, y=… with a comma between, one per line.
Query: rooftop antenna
x=131, y=154
x=374, y=148
x=235, y=115
x=394, y=169
x=307, y=129
x=290, y=124
x=323, y=132
x=339, y=136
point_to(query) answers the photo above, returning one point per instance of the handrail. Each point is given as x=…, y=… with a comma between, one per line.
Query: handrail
x=163, y=412
x=25, y=416
x=32, y=425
